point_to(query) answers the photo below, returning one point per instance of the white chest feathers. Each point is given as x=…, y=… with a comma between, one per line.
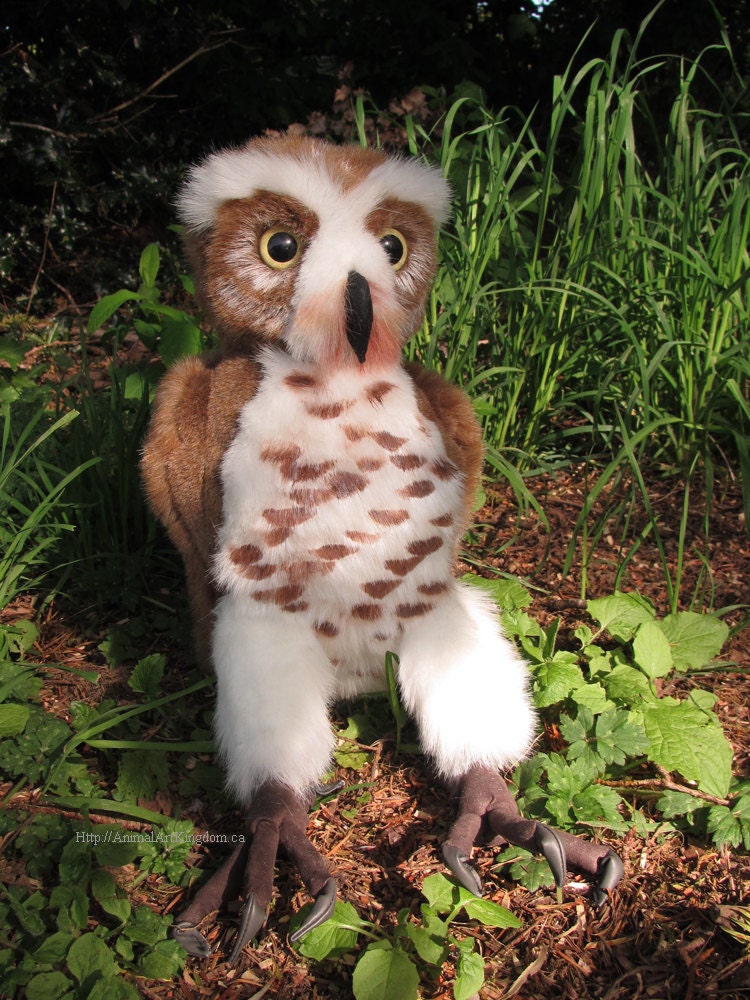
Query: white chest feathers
x=341, y=507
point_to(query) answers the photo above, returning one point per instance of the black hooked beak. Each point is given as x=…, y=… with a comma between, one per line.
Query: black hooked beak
x=358, y=308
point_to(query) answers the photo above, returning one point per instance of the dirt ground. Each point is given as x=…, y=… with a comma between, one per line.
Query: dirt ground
x=663, y=933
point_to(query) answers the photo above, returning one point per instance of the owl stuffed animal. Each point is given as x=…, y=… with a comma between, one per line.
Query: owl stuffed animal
x=317, y=487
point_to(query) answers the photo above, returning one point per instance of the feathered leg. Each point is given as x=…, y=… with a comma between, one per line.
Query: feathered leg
x=466, y=686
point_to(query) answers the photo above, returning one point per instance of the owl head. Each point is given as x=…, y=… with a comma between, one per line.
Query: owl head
x=328, y=250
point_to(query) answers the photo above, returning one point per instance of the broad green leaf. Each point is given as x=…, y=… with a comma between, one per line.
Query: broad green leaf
x=48, y=986
x=114, y=846
x=142, y=774
x=651, y=650
x=621, y=614
x=90, y=956
x=103, y=889
x=108, y=306
x=385, y=973
x=75, y=862
x=731, y=824
x=442, y=894
x=334, y=937
x=530, y=871
x=490, y=914
x=112, y=988
x=508, y=594
x=555, y=680
x=695, y=639
x=148, y=266
x=627, y=686
x=179, y=338
x=164, y=961
x=13, y=719
x=26, y=910
x=146, y=927
x=618, y=736
x=469, y=974
x=683, y=738
x=592, y=696
x=147, y=674
x=53, y=949
x=429, y=937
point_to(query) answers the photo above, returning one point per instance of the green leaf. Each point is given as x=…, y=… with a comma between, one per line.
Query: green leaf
x=490, y=914
x=89, y=956
x=148, y=266
x=429, y=937
x=103, y=889
x=696, y=639
x=52, y=950
x=684, y=738
x=179, y=338
x=618, y=736
x=334, y=937
x=164, y=961
x=555, y=680
x=147, y=674
x=530, y=871
x=142, y=774
x=385, y=973
x=13, y=719
x=147, y=927
x=48, y=986
x=469, y=974
x=114, y=846
x=441, y=893
x=108, y=306
x=651, y=650
x=75, y=862
x=627, y=686
x=731, y=824
x=621, y=614
x=592, y=696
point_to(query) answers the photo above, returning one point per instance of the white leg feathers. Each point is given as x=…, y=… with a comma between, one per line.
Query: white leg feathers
x=274, y=687
x=466, y=686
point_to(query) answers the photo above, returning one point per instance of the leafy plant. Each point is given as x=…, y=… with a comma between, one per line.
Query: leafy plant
x=390, y=965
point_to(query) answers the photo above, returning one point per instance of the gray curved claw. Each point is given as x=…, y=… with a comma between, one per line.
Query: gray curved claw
x=191, y=939
x=611, y=870
x=456, y=860
x=321, y=910
x=550, y=845
x=253, y=918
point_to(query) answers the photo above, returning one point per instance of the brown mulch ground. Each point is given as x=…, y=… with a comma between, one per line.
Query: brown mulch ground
x=662, y=934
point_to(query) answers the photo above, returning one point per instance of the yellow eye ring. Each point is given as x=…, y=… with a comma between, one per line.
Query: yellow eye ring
x=394, y=244
x=279, y=249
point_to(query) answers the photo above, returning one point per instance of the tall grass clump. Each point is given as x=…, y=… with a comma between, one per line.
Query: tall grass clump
x=593, y=293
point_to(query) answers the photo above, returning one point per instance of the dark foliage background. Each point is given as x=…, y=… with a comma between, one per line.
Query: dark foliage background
x=103, y=102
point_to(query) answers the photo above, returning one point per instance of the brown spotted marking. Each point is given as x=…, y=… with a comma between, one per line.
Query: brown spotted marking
x=444, y=521
x=304, y=473
x=389, y=518
x=387, y=440
x=245, y=555
x=286, y=517
x=276, y=536
x=300, y=571
x=364, y=537
x=280, y=595
x=417, y=489
x=299, y=380
x=376, y=392
x=380, y=588
x=367, y=612
x=424, y=546
x=285, y=456
x=402, y=566
x=370, y=464
x=258, y=571
x=408, y=462
x=344, y=484
x=311, y=496
x=431, y=589
x=444, y=469
x=328, y=629
x=335, y=551
x=296, y=606
x=355, y=434
x=329, y=411
x=413, y=610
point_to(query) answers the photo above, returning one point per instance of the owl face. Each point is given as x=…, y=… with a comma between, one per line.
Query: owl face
x=328, y=250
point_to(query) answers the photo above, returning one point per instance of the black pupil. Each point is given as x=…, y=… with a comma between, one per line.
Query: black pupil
x=393, y=247
x=282, y=247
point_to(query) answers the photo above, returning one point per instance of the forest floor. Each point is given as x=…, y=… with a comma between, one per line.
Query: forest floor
x=662, y=934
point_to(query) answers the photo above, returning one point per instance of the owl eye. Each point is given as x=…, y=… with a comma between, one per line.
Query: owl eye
x=279, y=248
x=394, y=245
